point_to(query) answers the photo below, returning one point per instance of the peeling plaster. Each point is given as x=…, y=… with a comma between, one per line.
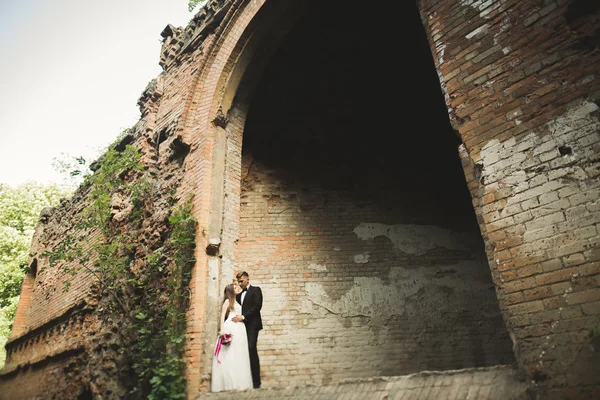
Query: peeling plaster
x=362, y=258
x=507, y=162
x=318, y=267
x=380, y=300
x=369, y=297
x=505, y=24
x=440, y=49
x=482, y=29
x=416, y=239
x=481, y=5
x=533, y=165
x=574, y=118
x=444, y=91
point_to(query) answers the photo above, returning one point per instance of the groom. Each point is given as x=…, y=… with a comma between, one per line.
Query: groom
x=251, y=300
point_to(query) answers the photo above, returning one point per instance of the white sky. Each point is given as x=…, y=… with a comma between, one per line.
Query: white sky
x=71, y=72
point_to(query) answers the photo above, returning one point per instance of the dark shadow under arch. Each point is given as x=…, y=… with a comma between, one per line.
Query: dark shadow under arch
x=347, y=127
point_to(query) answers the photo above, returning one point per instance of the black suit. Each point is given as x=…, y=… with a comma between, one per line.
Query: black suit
x=251, y=312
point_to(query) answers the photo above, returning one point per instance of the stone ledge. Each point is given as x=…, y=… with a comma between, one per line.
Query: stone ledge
x=64, y=317
x=9, y=371
x=494, y=383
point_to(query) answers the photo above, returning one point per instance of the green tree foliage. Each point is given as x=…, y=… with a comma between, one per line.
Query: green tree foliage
x=20, y=208
x=72, y=169
x=192, y=4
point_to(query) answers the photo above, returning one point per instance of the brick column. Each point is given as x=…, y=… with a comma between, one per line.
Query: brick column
x=24, y=305
x=520, y=81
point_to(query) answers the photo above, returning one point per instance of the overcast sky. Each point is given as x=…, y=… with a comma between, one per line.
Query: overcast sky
x=71, y=72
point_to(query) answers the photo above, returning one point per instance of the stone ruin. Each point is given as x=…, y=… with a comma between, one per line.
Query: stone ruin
x=327, y=153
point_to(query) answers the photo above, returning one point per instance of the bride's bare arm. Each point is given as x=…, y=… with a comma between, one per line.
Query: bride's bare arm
x=223, y=312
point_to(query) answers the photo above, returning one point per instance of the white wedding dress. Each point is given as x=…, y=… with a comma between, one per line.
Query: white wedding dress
x=231, y=369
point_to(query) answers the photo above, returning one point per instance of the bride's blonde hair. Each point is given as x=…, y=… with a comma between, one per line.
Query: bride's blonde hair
x=229, y=294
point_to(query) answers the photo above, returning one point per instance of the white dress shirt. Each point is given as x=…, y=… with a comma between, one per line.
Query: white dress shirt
x=244, y=294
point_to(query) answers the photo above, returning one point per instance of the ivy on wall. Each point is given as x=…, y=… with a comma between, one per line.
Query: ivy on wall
x=146, y=285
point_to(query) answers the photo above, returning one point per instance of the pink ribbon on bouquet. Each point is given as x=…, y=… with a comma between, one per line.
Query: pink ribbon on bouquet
x=223, y=339
x=218, y=349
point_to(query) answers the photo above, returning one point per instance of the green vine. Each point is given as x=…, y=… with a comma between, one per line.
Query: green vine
x=110, y=177
x=192, y=4
x=154, y=299
x=163, y=332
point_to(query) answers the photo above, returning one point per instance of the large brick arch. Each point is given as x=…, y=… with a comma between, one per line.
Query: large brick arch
x=501, y=97
x=228, y=80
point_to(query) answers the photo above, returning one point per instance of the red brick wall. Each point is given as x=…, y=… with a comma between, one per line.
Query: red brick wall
x=363, y=250
x=23, y=308
x=519, y=79
x=49, y=380
x=50, y=297
x=521, y=83
x=337, y=290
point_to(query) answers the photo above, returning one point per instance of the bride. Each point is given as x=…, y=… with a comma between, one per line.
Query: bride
x=231, y=363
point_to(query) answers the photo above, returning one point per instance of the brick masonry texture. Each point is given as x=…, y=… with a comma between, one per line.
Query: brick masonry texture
x=339, y=289
x=520, y=80
x=357, y=255
x=329, y=171
x=52, y=377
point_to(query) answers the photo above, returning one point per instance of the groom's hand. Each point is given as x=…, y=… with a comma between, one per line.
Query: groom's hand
x=237, y=318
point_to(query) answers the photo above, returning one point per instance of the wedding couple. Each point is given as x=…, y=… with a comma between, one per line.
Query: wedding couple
x=236, y=365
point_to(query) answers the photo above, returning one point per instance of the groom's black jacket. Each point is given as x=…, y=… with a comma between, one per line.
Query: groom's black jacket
x=251, y=307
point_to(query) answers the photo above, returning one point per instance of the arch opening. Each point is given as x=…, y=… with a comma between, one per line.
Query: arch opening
x=355, y=218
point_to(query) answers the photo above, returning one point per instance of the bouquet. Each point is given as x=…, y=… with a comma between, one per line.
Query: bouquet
x=224, y=340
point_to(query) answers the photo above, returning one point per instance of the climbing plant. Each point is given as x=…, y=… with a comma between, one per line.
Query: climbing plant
x=153, y=295
x=192, y=4
x=162, y=331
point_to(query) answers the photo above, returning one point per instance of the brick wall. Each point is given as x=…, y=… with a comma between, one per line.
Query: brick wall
x=52, y=296
x=520, y=79
x=349, y=278
x=51, y=291
x=24, y=305
x=48, y=380
x=361, y=234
